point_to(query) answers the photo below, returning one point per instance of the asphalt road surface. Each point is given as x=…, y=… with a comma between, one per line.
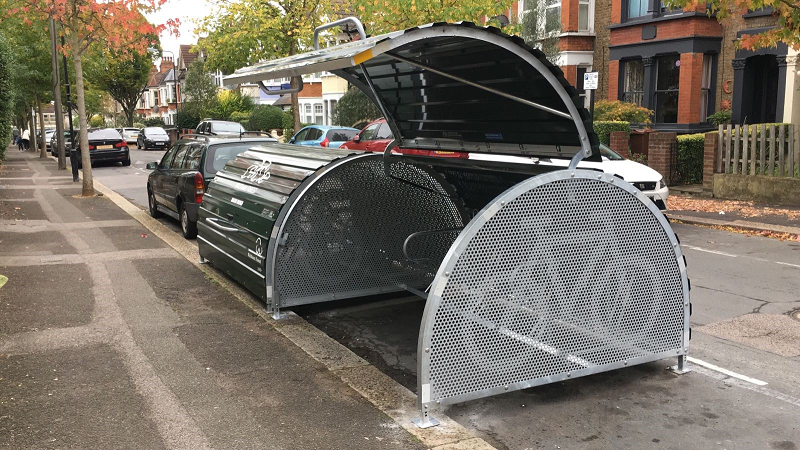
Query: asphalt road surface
x=743, y=393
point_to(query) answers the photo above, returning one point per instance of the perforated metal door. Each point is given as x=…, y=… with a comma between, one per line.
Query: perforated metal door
x=566, y=274
x=345, y=235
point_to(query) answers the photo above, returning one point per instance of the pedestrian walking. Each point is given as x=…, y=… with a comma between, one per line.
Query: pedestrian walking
x=26, y=139
x=15, y=135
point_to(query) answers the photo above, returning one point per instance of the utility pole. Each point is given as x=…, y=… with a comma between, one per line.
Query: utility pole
x=73, y=154
x=59, y=113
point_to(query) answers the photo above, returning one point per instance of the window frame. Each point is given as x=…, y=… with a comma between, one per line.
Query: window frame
x=624, y=94
x=657, y=91
x=706, y=81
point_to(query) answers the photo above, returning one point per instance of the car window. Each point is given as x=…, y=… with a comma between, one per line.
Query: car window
x=104, y=133
x=384, y=132
x=154, y=131
x=166, y=161
x=610, y=154
x=369, y=133
x=226, y=127
x=313, y=134
x=193, y=156
x=340, y=135
x=180, y=154
x=218, y=155
x=301, y=136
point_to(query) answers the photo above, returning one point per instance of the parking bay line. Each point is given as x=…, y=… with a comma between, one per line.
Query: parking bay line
x=744, y=384
x=727, y=372
x=717, y=252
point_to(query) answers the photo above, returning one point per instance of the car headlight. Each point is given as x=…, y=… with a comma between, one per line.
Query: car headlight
x=660, y=183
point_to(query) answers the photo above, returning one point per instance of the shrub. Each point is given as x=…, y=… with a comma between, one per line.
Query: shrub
x=354, y=107
x=186, y=119
x=242, y=117
x=690, y=158
x=154, y=122
x=265, y=118
x=617, y=111
x=6, y=95
x=97, y=121
x=603, y=129
x=138, y=125
x=288, y=124
x=721, y=117
x=229, y=102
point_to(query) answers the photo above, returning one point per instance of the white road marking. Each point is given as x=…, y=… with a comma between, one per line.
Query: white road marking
x=727, y=372
x=788, y=264
x=699, y=249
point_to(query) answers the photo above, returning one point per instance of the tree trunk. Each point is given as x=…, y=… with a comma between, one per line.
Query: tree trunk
x=32, y=129
x=88, y=182
x=129, y=113
x=42, y=147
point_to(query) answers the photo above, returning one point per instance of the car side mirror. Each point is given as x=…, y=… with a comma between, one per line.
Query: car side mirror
x=357, y=138
x=151, y=166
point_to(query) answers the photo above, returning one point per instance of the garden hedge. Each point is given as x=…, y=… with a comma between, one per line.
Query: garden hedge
x=690, y=158
x=603, y=129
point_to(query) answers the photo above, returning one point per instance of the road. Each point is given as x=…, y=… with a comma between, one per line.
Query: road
x=744, y=391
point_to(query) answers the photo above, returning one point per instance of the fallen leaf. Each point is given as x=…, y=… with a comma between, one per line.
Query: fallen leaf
x=144, y=235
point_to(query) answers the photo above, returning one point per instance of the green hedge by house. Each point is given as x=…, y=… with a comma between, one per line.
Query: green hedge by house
x=6, y=96
x=690, y=158
x=603, y=129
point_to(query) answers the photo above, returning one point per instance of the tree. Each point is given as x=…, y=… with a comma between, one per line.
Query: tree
x=6, y=97
x=119, y=24
x=123, y=76
x=354, y=107
x=787, y=29
x=200, y=91
x=393, y=15
x=229, y=102
x=540, y=31
x=264, y=30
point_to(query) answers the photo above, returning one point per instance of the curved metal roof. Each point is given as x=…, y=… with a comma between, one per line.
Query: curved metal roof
x=456, y=87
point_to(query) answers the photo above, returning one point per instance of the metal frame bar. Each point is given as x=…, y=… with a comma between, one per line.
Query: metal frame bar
x=425, y=402
x=354, y=20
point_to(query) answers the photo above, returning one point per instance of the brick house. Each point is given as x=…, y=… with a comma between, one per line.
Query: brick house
x=159, y=98
x=683, y=65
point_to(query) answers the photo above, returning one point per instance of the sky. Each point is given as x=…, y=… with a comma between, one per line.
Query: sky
x=186, y=11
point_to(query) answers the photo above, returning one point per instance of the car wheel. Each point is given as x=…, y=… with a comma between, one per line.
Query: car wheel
x=188, y=228
x=151, y=203
x=127, y=162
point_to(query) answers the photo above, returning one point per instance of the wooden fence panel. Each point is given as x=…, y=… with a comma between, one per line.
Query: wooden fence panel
x=745, y=155
x=781, y=148
x=727, y=159
x=771, y=145
x=763, y=134
x=736, y=154
x=753, y=152
x=790, y=150
x=795, y=149
x=721, y=142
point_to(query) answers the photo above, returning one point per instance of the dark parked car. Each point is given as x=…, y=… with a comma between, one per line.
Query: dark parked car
x=54, y=142
x=105, y=144
x=176, y=184
x=152, y=138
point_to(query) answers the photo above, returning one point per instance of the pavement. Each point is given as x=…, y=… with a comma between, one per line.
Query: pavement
x=109, y=338
x=142, y=347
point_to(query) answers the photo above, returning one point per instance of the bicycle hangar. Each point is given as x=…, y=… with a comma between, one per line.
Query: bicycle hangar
x=531, y=275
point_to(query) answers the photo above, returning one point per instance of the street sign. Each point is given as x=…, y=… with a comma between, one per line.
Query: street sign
x=590, y=80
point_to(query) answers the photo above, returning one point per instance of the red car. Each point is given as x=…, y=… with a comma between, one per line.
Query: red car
x=373, y=138
x=377, y=135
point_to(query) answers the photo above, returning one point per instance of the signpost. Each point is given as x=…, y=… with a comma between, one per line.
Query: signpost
x=590, y=82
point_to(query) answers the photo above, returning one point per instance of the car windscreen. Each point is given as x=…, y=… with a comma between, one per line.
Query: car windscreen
x=155, y=131
x=104, y=134
x=341, y=135
x=610, y=154
x=218, y=155
x=226, y=127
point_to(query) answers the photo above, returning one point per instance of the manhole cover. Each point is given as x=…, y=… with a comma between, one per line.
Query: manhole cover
x=796, y=315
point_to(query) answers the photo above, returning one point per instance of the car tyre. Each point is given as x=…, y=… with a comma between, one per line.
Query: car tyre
x=152, y=205
x=127, y=162
x=188, y=228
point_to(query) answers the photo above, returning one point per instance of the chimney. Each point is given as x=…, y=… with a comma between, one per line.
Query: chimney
x=166, y=64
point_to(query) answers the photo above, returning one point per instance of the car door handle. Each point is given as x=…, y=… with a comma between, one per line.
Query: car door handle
x=213, y=222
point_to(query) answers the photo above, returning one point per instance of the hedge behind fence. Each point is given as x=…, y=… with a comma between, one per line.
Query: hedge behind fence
x=690, y=158
x=603, y=129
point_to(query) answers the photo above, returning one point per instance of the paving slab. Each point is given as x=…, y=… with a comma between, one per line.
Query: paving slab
x=16, y=210
x=33, y=244
x=72, y=399
x=41, y=297
x=15, y=193
x=774, y=333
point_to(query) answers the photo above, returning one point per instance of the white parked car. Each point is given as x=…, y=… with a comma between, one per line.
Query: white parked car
x=647, y=180
x=129, y=134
